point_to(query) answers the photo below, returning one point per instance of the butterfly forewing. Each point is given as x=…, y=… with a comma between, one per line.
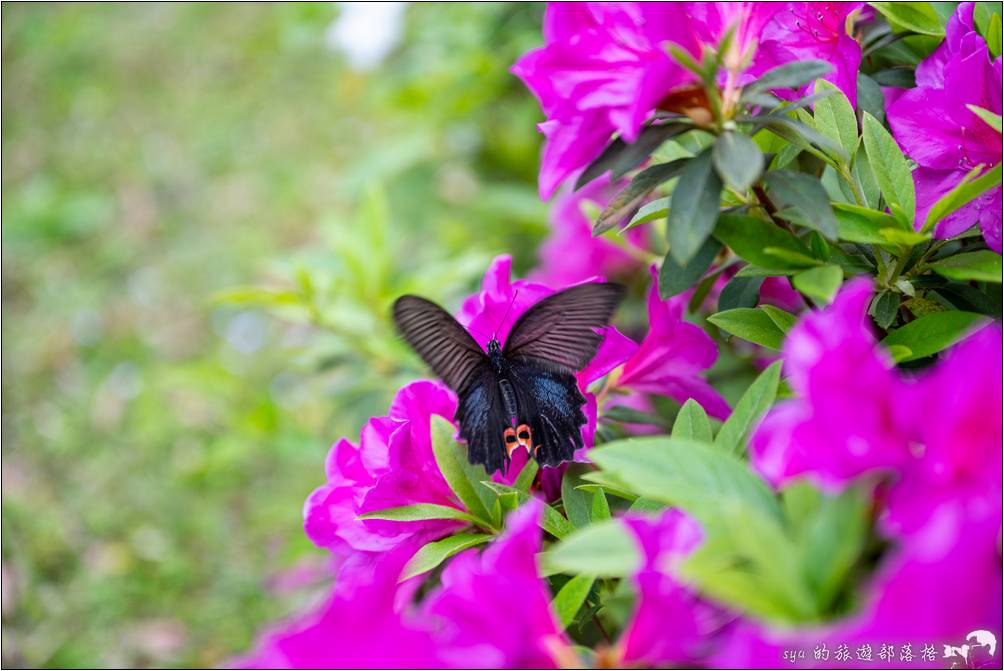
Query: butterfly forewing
x=447, y=348
x=561, y=329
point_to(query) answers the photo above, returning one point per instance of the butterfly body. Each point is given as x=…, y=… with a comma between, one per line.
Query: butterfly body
x=522, y=394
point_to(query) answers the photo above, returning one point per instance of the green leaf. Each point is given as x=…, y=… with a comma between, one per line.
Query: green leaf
x=435, y=553
x=832, y=542
x=462, y=477
x=749, y=237
x=917, y=17
x=806, y=195
x=970, y=188
x=526, y=476
x=621, y=158
x=883, y=308
x=657, y=209
x=417, y=512
x=804, y=136
x=835, y=117
x=694, y=208
x=992, y=120
x=790, y=76
x=870, y=97
x=692, y=422
x=604, y=549
x=601, y=509
x=819, y=284
x=864, y=177
x=622, y=413
x=625, y=202
x=982, y=266
x=932, y=333
x=891, y=169
x=576, y=501
x=861, y=224
x=737, y=159
x=552, y=522
x=695, y=476
x=995, y=36
x=898, y=236
x=740, y=292
x=782, y=319
x=570, y=598
x=675, y=278
x=749, y=324
x=751, y=406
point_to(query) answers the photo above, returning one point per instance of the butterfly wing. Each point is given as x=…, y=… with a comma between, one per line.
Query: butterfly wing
x=447, y=348
x=482, y=419
x=551, y=402
x=560, y=331
x=455, y=357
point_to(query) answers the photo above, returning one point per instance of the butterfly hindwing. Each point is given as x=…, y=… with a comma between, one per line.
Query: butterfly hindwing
x=561, y=329
x=445, y=345
x=550, y=401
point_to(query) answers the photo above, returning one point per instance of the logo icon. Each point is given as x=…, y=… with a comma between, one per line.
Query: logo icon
x=980, y=646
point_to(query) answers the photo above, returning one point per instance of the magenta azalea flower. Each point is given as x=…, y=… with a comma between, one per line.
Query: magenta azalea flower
x=392, y=466
x=360, y=626
x=672, y=355
x=571, y=254
x=837, y=372
x=671, y=624
x=933, y=125
x=493, y=610
x=604, y=67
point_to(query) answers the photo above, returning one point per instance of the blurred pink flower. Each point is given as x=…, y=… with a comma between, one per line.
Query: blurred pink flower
x=837, y=372
x=672, y=355
x=604, y=67
x=934, y=126
x=493, y=610
x=571, y=254
x=671, y=624
x=392, y=466
x=364, y=624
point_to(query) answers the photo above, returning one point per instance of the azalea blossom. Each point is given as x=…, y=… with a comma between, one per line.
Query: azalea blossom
x=671, y=624
x=363, y=624
x=672, y=355
x=392, y=465
x=934, y=126
x=493, y=610
x=605, y=68
x=572, y=254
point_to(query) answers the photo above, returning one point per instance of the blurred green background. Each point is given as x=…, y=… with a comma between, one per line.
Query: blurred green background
x=207, y=210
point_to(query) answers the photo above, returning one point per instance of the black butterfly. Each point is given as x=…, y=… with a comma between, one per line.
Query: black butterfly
x=523, y=394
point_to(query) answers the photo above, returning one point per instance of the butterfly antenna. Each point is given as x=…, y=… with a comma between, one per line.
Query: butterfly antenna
x=514, y=295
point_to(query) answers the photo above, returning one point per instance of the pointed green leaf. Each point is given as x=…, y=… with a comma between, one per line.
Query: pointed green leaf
x=675, y=278
x=740, y=292
x=750, y=237
x=891, y=169
x=621, y=158
x=570, y=598
x=782, y=320
x=435, y=553
x=819, y=284
x=982, y=266
x=602, y=549
x=737, y=159
x=932, y=333
x=751, y=406
x=417, y=512
x=628, y=200
x=694, y=209
x=601, y=509
x=576, y=501
x=805, y=194
x=749, y=324
x=991, y=119
x=657, y=209
x=692, y=422
x=791, y=75
x=526, y=476
x=462, y=477
x=835, y=117
x=917, y=17
x=972, y=186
